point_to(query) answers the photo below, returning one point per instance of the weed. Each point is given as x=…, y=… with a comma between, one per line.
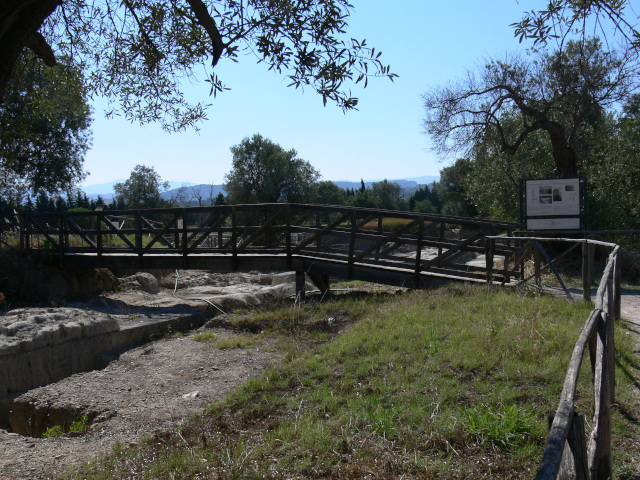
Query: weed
x=235, y=341
x=53, y=432
x=81, y=425
x=205, y=337
x=504, y=426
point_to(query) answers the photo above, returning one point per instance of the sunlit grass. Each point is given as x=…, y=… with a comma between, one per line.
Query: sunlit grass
x=452, y=383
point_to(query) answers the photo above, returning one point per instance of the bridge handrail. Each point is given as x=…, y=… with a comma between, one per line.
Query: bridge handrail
x=365, y=236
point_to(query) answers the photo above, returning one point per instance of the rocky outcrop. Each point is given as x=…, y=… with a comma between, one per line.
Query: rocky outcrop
x=38, y=346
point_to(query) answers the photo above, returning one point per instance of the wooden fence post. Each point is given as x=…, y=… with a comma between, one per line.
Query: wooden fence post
x=587, y=267
x=536, y=264
x=617, y=294
x=600, y=461
x=574, y=464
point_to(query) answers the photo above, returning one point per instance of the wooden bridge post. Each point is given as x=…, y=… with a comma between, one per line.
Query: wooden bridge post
x=489, y=248
x=27, y=233
x=416, y=278
x=61, y=237
x=298, y=265
x=234, y=237
x=99, y=237
x=288, y=239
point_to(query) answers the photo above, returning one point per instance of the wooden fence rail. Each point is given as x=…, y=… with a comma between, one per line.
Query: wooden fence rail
x=569, y=453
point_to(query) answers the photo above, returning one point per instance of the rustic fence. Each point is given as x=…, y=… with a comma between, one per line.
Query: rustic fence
x=569, y=453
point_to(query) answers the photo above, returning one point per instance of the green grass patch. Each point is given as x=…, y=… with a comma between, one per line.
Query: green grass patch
x=452, y=383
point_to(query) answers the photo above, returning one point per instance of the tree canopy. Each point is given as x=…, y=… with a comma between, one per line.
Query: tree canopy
x=137, y=53
x=562, y=93
x=141, y=189
x=44, y=127
x=264, y=172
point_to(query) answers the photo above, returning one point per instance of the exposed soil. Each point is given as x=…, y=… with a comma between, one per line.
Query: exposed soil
x=148, y=389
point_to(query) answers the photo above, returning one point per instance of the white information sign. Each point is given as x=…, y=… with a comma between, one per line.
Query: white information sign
x=553, y=198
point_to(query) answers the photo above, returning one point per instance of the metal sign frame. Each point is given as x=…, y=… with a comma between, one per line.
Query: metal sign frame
x=553, y=203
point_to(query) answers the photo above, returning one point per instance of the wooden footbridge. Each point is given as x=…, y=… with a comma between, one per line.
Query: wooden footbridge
x=389, y=247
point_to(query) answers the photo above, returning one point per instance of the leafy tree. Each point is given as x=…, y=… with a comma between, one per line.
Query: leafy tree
x=328, y=193
x=220, y=200
x=563, y=94
x=386, y=195
x=563, y=18
x=493, y=181
x=421, y=202
x=264, y=172
x=141, y=190
x=452, y=192
x=139, y=51
x=44, y=126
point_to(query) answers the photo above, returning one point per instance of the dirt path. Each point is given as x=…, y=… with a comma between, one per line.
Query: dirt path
x=147, y=389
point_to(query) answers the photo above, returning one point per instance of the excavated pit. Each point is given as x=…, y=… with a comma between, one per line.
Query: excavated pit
x=39, y=346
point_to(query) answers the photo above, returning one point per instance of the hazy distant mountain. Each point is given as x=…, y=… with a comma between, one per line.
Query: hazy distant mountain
x=190, y=193
x=101, y=188
x=406, y=183
x=193, y=194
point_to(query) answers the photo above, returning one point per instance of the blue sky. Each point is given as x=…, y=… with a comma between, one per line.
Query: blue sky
x=426, y=43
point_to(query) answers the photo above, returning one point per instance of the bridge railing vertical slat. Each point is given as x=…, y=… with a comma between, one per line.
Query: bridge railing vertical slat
x=138, y=234
x=61, y=224
x=416, y=280
x=234, y=237
x=99, y=237
x=185, y=240
x=352, y=243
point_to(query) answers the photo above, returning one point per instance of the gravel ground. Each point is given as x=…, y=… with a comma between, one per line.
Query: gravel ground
x=150, y=388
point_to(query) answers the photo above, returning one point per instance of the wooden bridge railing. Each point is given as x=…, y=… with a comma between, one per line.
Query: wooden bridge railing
x=337, y=240
x=569, y=453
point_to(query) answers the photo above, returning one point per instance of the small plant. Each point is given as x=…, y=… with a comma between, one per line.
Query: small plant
x=235, y=341
x=505, y=428
x=205, y=337
x=53, y=432
x=81, y=425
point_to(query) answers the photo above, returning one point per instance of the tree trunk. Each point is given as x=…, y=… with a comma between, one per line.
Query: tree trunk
x=563, y=155
x=19, y=22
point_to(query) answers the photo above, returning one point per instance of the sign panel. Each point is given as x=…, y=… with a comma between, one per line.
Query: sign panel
x=553, y=204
